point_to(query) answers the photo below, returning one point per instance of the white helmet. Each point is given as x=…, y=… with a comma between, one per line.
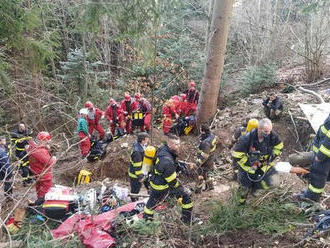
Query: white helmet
x=83, y=111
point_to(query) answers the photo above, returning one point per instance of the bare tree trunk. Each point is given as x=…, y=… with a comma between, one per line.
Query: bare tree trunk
x=65, y=38
x=220, y=24
x=209, y=19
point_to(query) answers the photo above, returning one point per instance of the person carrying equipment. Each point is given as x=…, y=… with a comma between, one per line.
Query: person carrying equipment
x=135, y=166
x=241, y=131
x=245, y=128
x=254, y=154
x=142, y=110
x=20, y=138
x=164, y=180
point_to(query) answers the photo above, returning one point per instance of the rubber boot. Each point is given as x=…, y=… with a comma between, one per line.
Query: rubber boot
x=186, y=216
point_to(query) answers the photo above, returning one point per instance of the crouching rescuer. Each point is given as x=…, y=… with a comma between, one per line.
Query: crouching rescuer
x=164, y=180
x=135, y=167
x=254, y=154
x=205, y=158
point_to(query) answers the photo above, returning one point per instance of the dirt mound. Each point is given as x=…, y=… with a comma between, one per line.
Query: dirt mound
x=247, y=238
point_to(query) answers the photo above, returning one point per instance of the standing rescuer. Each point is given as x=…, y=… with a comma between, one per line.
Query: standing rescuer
x=20, y=138
x=41, y=163
x=93, y=119
x=5, y=169
x=192, y=97
x=135, y=167
x=115, y=115
x=126, y=106
x=164, y=180
x=143, y=105
x=254, y=154
x=84, y=136
x=205, y=158
x=320, y=170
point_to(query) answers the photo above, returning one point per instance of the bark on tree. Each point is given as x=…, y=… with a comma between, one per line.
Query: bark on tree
x=221, y=18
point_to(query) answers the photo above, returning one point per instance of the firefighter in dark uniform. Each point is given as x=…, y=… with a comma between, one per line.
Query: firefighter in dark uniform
x=6, y=172
x=254, y=154
x=135, y=167
x=164, y=180
x=240, y=131
x=320, y=170
x=20, y=138
x=205, y=158
x=273, y=106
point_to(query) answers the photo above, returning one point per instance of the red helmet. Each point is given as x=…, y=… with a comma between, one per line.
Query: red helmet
x=89, y=104
x=137, y=96
x=127, y=97
x=175, y=98
x=183, y=96
x=43, y=136
x=192, y=84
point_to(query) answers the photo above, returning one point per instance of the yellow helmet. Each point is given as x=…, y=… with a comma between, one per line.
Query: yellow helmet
x=253, y=123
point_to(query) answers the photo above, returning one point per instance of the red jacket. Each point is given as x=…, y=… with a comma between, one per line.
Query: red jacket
x=192, y=95
x=97, y=116
x=124, y=104
x=40, y=159
x=111, y=114
x=168, y=111
x=143, y=105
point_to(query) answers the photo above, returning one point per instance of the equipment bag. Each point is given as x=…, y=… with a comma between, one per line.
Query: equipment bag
x=179, y=127
x=137, y=119
x=97, y=151
x=56, y=209
x=84, y=177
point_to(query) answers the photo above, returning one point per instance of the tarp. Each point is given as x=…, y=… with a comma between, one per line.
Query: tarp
x=92, y=231
x=316, y=113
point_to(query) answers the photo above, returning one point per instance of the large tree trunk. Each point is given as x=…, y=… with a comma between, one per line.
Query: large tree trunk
x=220, y=24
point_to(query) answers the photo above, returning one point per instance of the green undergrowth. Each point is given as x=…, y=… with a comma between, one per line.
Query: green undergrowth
x=271, y=216
x=37, y=235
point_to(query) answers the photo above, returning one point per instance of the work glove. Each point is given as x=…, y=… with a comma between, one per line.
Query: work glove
x=299, y=170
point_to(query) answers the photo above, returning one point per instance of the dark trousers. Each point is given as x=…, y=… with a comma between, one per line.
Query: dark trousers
x=157, y=196
x=24, y=166
x=135, y=187
x=318, y=176
x=6, y=176
x=252, y=183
